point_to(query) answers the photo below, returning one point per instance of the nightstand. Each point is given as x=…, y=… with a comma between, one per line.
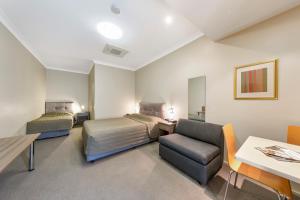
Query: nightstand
x=81, y=117
x=171, y=121
x=166, y=128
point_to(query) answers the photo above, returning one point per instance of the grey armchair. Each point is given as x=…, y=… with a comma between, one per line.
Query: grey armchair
x=195, y=148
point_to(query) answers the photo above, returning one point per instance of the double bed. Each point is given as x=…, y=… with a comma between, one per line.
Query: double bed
x=105, y=137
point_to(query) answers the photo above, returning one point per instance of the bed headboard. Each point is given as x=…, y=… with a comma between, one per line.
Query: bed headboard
x=153, y=109
x=59, y=107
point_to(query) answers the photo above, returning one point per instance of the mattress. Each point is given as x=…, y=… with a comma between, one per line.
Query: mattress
x=105, y=136
x=51, y=122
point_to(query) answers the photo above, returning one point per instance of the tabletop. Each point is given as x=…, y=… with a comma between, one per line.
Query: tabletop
x=251, y=156
x=11, y=147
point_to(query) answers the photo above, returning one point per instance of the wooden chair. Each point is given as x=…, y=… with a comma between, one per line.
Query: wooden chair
x=293, y=136
x=280, y=185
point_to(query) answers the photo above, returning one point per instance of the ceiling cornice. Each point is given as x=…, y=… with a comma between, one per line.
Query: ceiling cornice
x=13, y=30
x=107, y=64
x=68, y=70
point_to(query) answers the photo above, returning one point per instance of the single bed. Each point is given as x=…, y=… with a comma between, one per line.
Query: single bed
x=57, y=121
x=105, y=137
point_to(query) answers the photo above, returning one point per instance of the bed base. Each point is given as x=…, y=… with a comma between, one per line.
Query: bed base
x=92, y=158
x=53, y=134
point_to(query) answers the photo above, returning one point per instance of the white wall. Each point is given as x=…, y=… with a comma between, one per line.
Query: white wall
x=114, y=92
x=22, y=85
x=167, y=78
x=62, y=85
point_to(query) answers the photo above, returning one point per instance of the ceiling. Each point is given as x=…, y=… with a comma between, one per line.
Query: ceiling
x=63, y=35
x=220, y=18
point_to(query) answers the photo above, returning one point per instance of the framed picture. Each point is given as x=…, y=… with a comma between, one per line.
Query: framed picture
x=257, y=81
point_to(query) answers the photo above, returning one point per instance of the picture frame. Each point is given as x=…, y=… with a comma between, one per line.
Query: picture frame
x=258, y=81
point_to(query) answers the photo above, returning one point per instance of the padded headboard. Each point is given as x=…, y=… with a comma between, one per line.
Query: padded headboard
x=59, y=107
x=153, y=109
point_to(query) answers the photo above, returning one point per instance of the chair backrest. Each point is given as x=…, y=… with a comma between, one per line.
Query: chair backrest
x=230, y=143
x=293, y=135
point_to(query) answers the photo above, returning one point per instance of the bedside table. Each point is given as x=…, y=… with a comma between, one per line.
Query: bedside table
x=166, y=128
x=81, y=117
x=171, y=121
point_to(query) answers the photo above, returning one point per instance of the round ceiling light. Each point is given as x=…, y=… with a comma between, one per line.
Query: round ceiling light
x=109, y=30
x=169, y=20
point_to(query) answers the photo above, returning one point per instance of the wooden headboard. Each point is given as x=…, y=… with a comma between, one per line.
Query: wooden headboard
x=153, y=109
x=59, y=107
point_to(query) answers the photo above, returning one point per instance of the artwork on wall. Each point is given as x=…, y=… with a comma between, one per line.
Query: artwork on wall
x=256, y=81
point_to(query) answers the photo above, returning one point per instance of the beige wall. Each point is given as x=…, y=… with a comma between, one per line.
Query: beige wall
x=22, y=85
x=92, y=93
x=114, y=92
x=68, y=86
x=166, y=79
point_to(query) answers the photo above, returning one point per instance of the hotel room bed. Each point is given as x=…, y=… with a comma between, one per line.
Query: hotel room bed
x=105, y=137
x=57, y=121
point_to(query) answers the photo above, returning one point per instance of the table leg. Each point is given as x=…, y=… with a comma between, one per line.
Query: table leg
x=31, y=157
x=235, y=180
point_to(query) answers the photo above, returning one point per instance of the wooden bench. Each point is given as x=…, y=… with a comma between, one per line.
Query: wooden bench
x=12, y=147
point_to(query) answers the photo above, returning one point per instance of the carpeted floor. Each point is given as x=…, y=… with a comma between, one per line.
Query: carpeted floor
x=62, y=174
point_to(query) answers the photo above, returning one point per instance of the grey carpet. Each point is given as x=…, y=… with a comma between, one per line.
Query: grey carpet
x=62, y=174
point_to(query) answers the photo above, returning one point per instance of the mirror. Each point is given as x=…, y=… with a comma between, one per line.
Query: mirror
x=197, y=98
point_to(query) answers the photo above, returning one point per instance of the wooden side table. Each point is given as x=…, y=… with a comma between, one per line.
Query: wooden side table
x=166, y=128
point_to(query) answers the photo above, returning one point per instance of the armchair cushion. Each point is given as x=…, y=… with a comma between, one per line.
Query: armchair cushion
x=196, y=150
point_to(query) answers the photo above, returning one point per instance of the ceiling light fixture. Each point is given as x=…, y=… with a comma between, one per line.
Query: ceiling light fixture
x=169, y=20
x=110, y=30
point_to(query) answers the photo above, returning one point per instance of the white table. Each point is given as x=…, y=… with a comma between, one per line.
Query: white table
x=251, y=156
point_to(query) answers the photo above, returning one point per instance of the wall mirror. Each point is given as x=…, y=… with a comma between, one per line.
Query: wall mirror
x=197, y=98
